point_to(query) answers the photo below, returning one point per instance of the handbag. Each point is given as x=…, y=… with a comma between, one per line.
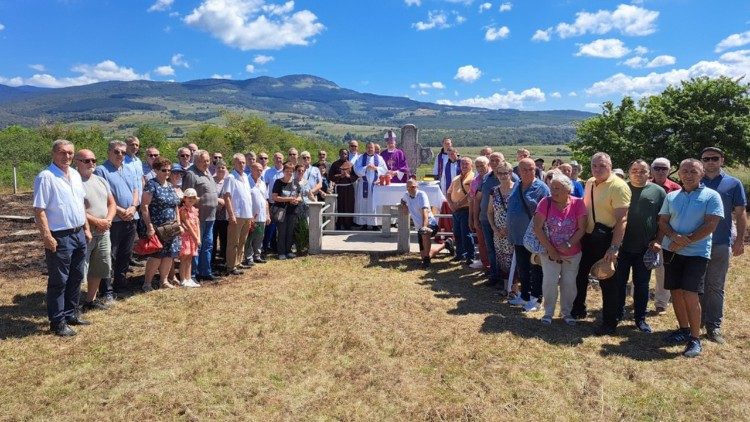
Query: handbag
x=278, y=213
x=530, y=239
x=147, y=246
x=601, y=233
x=168, y=231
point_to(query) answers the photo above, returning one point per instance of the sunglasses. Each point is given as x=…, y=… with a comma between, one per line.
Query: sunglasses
x=217, y=158
x=185, y=155
x=87, y=160
x=661, y=168
x=119, y=152
x=153, y=155
x=709, y=159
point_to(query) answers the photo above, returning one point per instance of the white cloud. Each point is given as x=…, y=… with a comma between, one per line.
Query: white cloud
x=733, y=65
x=164, y=71
x=250, y=68
x=732, y=41
x=555, y=95
x=219, y=76
x=459, y=19
x=485, y=6
x=662, y=60
x=435, y=19
x=640, y=50
x=17, y=81
x=610, y=48
x=423, y=92
x=505, y=7
x=38, y=67
x=635, y=62
x=468, y=73
x=572, y=94
x=496, y=80
x=173, y=15
x=541, y=35
x=253, y=25
x=107, y=70
x=160, y=5
x=413, y=2
x=494, y=34
x=628, y=19
x=429, y=85
x=179, y=60
x=2, y=27
x=506, y=100
x=444, y=102
x=262, y=59
x=592, y=105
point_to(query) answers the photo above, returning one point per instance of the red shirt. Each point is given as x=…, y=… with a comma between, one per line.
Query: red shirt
x=669, y=185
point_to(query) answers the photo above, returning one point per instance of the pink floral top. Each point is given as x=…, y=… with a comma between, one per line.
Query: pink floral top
x=561, y=225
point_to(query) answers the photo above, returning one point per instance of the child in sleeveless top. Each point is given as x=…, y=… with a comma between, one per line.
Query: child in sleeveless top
x=191, y=239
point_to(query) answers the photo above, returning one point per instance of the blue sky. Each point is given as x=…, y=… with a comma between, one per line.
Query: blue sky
x=533, y=55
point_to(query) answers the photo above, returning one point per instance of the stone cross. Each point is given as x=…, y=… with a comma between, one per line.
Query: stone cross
x=415, y=153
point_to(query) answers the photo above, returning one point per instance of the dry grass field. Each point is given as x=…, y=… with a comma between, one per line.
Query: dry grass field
x=356, y=337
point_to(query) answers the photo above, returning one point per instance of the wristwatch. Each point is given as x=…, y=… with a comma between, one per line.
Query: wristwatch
x=614, y=248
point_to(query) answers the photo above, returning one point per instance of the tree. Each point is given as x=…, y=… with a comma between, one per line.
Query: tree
x=677, y=124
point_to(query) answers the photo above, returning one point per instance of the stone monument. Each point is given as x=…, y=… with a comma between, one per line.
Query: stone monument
x=415, y=153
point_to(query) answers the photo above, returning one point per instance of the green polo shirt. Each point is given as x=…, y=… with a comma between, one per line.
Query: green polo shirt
x=643, y=216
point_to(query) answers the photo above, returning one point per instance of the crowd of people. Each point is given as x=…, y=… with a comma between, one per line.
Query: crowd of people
x=210, y=218
x=558, y=233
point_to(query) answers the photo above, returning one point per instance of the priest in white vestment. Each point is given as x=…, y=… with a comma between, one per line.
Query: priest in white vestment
x=369, y=167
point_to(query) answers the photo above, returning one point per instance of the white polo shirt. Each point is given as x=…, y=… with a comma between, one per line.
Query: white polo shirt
x=237, y=185
x=61, y=198
x=260, y=193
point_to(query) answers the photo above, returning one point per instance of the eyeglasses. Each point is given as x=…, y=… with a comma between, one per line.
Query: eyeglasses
x=217, y=158
x=306, y=158
x=119, y=152
x=263, y=158
x=503, y=173
x=87, y=160
x=153, y=155
x=711, y=158
x=660, y=168
x=185, y=155
x=165, y=170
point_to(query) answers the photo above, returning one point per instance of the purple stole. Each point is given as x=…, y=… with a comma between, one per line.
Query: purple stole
x=440, y=162
x=366, y=186
x=448, y=175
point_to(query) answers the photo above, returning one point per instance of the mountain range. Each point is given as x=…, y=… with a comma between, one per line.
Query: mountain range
x=303, y=103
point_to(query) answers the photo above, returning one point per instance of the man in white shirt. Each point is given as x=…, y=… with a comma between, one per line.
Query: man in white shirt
x=261, y=214
x=368, y=167
x=60, y=215
x=239, y=205
x=416, y=203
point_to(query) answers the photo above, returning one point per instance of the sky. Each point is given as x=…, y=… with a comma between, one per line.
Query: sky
x=524, y=54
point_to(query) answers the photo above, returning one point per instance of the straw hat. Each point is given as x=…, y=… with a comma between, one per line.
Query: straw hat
x=190, y=193
x=602, y=270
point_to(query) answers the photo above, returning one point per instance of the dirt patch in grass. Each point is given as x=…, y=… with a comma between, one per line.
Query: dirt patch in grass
x=354, y=337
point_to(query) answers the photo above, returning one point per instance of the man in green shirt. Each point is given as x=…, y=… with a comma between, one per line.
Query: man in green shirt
x=640, y=235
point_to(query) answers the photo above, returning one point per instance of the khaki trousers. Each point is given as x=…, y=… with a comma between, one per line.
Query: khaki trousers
x=236, y=237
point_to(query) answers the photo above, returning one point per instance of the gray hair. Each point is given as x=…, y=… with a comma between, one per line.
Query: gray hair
x=692, y=161
x=202, y=152
x=114, y=144
x=60, y=143
x=481, y=159
x=563, y=179
x=467, y=159
x=661, y=160
x=180, y=149
x=238, y=156
x=603, y=156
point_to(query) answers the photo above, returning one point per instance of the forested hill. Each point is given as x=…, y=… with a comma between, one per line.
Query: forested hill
x=302, y=103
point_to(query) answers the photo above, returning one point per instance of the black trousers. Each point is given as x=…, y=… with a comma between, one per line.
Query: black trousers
x=122, y=236
x=65, y=268
x=593, y=250
x=220, y=232
x=531, y=275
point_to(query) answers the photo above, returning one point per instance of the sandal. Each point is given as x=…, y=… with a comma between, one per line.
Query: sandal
x=147, y=287
x=167, y=284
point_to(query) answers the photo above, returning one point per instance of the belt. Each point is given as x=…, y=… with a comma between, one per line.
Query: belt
x=66, y=232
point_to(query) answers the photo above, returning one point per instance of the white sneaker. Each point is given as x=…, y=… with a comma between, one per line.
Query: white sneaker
x=517, y=301
x=190, y=283
x=532, y=305
x=477, y=265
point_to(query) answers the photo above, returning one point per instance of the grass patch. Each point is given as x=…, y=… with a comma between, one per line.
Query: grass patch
x=353, y=337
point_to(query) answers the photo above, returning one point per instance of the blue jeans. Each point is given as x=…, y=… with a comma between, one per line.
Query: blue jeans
x=202, y=262
x=641, y=277
x=65, y=267
x=530, y=274
x=268, y=237
x=464, y=244
x=489, y=242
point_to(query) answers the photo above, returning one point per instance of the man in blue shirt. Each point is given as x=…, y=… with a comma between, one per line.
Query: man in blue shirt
x=126, y=191
x=687, y=219
x=522, y=203
x=734, y=200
